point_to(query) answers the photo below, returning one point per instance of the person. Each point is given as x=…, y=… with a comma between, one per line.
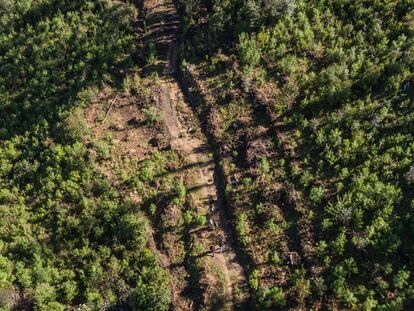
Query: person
x=211, y=223
x=221, y=244
x=212, y=250
x=406, y=86
x=212, y=207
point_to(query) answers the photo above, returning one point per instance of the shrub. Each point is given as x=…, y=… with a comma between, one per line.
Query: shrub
x=127, y=84
x=136, y=84
x=199, y=220
x=316, y=195
x=401, y=279
x=254, y=280
x=242, y=228
x=152, y=115
x=180, y=189
x=273, y=296
x=319, y=286
x=275, y=258
x=264, y=165
x=277, y=8
x=151, y=52
x=247, y=181
x=5, y=272
x=259, y=208
x=306, y=178
x=275, y=228
x=74, y=127
x=146, y=173
x=152, y=290
x=152, y=208
x=249, y=52
x=43, y=294
x=340, y=242
x=370, y=304
x=228, y=190
x=188, y=217
x=103, y=149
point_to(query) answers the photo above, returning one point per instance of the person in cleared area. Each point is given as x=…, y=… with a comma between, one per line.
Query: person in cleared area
x=221, y=244
x=211, y=223
x=212, y=250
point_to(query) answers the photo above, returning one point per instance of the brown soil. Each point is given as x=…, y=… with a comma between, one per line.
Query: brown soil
x=131, y=141
x=223, y=281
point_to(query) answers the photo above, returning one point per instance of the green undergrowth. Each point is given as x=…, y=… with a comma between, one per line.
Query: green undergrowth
x=68, y=238
x=332, y=84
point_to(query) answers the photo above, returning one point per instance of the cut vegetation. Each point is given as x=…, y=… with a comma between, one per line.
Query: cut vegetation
x=204, y=155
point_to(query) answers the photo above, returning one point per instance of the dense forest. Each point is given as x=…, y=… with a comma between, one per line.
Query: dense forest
x=308, y=108
x=67, y=236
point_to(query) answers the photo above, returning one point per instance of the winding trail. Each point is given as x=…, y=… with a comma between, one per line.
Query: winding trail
x=223, y=282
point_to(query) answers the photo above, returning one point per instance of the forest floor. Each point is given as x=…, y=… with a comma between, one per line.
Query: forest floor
x=223, y=282
x=201, y=279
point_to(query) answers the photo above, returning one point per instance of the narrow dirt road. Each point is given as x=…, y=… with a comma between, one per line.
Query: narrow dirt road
x=223, y=282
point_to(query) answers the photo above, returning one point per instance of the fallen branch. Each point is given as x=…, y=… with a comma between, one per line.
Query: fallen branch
x=109, y=108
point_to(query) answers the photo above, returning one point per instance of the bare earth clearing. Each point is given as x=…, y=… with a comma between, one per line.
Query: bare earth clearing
x=222, y=269
x=221, y=283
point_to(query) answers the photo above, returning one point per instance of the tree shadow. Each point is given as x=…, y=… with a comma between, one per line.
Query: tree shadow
x=199, y=164
x=192, y=290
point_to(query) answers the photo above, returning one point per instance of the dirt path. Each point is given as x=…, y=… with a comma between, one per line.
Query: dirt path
x=223, y=280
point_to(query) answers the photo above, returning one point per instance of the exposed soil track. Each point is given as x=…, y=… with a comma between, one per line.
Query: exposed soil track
x=222, y=282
